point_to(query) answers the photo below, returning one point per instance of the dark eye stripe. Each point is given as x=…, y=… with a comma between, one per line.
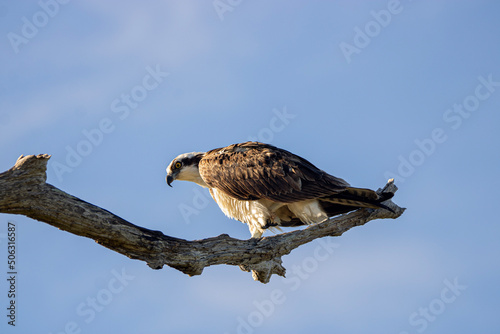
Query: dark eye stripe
x=190, y=161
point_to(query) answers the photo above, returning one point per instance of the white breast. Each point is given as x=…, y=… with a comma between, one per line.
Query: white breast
x=253, y=213
x=260, y=213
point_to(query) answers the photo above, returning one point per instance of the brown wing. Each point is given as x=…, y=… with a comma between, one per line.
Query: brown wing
x=252, y=170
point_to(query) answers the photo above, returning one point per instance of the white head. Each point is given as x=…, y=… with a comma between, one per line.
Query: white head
x=185, y=168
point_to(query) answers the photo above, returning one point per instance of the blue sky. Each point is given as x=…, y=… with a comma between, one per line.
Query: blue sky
x=366, y=90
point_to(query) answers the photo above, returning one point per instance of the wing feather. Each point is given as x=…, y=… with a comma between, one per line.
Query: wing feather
x=253, y=170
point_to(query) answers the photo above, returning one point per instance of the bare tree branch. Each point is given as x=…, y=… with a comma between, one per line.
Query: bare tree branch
x=24, y=191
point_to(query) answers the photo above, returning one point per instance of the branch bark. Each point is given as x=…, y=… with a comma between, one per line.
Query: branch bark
x=24, y=191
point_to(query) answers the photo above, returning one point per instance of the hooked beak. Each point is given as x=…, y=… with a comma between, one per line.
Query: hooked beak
x=169, y=179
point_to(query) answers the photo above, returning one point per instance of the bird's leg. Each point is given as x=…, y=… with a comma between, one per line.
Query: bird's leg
x=255, y=231
x=272, y=221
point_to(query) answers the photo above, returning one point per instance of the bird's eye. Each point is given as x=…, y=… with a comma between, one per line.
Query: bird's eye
x=177, y=165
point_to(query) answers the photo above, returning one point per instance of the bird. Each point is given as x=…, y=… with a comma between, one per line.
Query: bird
x=267, y=187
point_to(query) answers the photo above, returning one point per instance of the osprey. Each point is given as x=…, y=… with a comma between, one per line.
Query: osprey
x=268, y=187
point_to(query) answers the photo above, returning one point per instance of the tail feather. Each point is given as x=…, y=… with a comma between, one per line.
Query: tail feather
x=346, y=201
x=353, y=198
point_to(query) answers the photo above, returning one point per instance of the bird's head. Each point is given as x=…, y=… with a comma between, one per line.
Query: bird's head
x=185, y=168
